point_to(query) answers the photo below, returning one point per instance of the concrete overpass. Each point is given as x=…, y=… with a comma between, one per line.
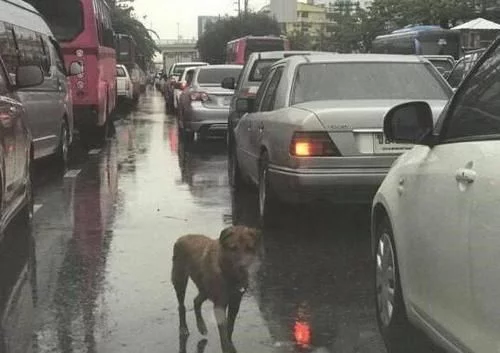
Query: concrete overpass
x=176, y=50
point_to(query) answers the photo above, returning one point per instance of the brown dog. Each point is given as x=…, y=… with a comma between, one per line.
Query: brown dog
x=219, y=268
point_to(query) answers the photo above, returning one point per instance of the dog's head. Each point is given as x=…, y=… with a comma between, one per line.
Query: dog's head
x=239, y=246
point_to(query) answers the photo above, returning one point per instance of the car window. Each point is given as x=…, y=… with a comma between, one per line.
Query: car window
x=8, y=49
x=120, y=72
x=260, y=69
x=3, y=82
x=189, y=77
x=262, y=89
x=457, y=74
x=58, y=57
x=271, y=91
x=368, y=80
x=31, y=50
x=475, y=113
x=214, y=76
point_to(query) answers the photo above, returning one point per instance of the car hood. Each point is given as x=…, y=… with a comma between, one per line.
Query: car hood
x=347, y=115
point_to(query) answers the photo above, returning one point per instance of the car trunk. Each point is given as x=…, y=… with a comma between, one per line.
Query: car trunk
x=217, y=97
x=356, y=127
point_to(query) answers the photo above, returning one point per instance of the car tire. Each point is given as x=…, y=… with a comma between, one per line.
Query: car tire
x=397, y=331
x=267, y=199
x=63, y=150
x=235, y=178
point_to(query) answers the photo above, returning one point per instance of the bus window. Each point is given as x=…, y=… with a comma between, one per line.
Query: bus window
x=65, y=17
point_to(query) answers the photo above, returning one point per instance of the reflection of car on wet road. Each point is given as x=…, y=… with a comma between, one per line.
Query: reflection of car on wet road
x=316, y=130
x=204, y=105
x=435, y=220
x=17, y=289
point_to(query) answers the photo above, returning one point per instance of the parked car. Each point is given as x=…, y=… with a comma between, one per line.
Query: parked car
x=462, y=67
x=184, y=81
x=124, y=83
x=173, y=76
x=315, y=131
x=435, y=221
x=443, y=63
x=204, y=105
x=17, y=152
x=248, y=83
x=25, y=39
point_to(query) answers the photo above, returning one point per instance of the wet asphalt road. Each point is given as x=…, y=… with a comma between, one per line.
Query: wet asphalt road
x=93, y=275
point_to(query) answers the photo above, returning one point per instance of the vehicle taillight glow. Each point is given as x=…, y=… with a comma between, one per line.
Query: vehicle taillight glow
x=182, y=86
x=312, y=144
x=302, y=333
x=199, y=96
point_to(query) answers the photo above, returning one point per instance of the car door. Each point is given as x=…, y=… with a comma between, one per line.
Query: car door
x=438, y=195
x=474, y=123
x=258, y=123
x=40, y=101
x=11, y=111
x=243, y=132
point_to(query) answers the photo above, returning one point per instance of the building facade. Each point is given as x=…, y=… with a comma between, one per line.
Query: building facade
x=203, y=21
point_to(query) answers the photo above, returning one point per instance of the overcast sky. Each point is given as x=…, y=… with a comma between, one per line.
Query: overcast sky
x=164, y=15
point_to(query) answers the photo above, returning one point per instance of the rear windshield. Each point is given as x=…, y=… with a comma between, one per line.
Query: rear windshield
x=65, y=17
x=179, y=69
x=215, y=76
x=120, y=72
x=350, y=81
x=263, y=45
x=259, y=70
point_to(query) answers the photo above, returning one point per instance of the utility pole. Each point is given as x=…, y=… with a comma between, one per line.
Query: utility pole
x=246, y=6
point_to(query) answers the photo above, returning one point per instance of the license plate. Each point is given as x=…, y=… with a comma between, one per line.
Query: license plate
x=382, y=145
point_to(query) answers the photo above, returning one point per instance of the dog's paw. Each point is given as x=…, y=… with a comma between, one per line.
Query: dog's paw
x=202, y=327
x=183, y=331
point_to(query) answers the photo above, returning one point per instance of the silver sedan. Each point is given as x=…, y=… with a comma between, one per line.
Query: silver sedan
x=315, y=129
x=204, y=104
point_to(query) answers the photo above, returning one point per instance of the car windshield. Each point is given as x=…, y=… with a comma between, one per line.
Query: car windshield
x=120, y=72
x=214, y=76
x=354, y=81
x=259, y=70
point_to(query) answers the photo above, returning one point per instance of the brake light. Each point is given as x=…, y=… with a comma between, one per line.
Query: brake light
x=199, y=96
x=182, y=86
x=312, y=144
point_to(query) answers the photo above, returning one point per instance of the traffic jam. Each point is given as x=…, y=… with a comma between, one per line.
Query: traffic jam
x=282, y=201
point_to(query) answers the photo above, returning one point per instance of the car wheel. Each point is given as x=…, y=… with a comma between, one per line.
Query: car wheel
x=267, y=200
x=398, y=333
x=62, y=154
x=235, y=178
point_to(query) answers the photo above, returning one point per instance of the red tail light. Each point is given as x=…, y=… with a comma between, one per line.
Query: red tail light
x=302, y=333
x=312, y=144
x=199, y=96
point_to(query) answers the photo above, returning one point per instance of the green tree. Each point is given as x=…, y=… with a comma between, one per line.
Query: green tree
x=300, y=40
x=125, y=22
x=212, y=44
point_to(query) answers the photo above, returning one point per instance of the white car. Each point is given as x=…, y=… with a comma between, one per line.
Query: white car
x=435, y=221
x=182, y=84
x=124, y=84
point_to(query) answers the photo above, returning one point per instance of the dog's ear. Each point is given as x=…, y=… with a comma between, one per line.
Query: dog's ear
x=226, y=233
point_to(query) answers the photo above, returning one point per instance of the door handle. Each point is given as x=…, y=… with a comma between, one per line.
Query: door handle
x=465, y=176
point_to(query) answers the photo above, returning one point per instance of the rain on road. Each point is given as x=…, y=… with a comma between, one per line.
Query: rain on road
x=93, y=274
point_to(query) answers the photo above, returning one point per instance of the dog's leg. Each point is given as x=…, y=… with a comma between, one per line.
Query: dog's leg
x=180, y=280
x=233, y=309
x=198, y=301
x=220, y=316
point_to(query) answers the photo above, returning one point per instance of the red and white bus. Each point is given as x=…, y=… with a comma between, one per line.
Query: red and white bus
x=85, y=32
x=238, y=50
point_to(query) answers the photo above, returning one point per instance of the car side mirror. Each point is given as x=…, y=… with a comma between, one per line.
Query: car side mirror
x=245, y=105
x=75, y=69
x=228, y=83
x=29, y=76
x=409, y=123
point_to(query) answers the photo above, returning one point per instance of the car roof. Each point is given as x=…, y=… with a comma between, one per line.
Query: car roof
x=24, y=15
x=281, y=54
x=186, y=63
x=357, y=58
x=222, y=66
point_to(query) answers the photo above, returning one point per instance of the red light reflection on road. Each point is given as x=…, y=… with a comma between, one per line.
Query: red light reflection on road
x=302, y=333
